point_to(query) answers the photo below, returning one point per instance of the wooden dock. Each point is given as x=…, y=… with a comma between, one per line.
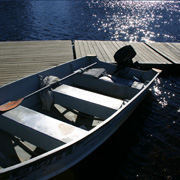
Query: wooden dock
x=148, y=55
x=23, y=58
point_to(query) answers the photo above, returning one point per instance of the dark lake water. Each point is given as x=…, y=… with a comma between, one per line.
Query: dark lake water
x=147, y=146
x=89, y=19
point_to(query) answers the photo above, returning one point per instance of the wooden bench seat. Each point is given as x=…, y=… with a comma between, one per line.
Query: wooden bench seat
x=39, y=129
x=86, y=101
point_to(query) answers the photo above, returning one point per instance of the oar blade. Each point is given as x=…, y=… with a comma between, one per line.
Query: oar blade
x=10, y=105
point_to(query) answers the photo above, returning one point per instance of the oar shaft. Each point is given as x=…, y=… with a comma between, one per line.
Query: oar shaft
x=12, y=104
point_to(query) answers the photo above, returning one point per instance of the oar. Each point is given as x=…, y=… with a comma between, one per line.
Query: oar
x=12, y=104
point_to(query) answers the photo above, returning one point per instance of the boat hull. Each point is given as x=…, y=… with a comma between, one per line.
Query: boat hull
x=60, y=159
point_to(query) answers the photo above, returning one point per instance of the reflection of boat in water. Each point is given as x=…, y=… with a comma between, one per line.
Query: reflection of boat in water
x=88, y=106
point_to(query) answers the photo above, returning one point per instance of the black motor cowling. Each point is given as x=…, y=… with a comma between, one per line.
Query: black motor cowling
x=124, y=56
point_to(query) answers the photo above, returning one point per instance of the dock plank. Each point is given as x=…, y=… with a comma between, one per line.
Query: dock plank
x=145, y=55
x=102, y=51
x=78, y=52
x=82, y=49
x=171, y=51
x=106, y=47
x=100, y=48
x=86, y=47
x=105, y=51
x=97, y=50
x=91, y=48
x=23, y=58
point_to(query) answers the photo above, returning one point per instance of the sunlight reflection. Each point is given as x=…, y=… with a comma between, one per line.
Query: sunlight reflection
x=133, y=20
x=159, y=93
x=162, y=90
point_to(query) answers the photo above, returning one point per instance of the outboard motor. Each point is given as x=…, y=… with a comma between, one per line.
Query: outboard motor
x=124, y=56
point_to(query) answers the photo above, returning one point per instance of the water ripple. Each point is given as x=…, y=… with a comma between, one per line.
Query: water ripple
x=91, y=19
x=155, y=154
x=136, y=21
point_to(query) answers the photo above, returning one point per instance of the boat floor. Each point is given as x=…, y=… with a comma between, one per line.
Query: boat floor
x=14, y=150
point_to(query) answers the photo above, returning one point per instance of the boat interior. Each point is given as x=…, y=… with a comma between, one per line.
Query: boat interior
x=79, y=104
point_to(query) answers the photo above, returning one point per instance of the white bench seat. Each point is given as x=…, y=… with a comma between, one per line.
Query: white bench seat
x=86, y=101
x=39, y=129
